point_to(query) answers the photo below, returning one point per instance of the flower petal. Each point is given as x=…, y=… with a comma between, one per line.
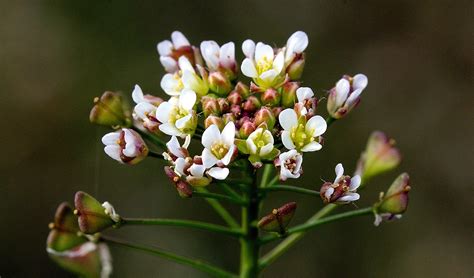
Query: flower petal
x=197, y=170
x=185, y=64
x=348, y=197
x=137, y=94
x=288, y=119
x=248, y=48
x=328, y=193
x=210, y=53
x=164, y=48
x=266, y=149
x=227, y=55
x=163, y=111
x=316, y=126
x=174, y=147
x=353, y=97
x=208, y=159
x=360, y=81
x=342, y=91
x=169, y=129
x=228, y=133
x=286, y=140
x=263, y=52
x=228, y=156
x=218, y=173
x=182, y=122
x=187, y=99
x=111, y=138
x=339, y=172
x=169, y=64
x=248, y=68
x=304, y=93
x=312, y=147
x=170, y=84
x=297, y=42
x=269, y=75
x=251, y=146
x=179, y=40
x=279, y=62
x=210, y=135
x=355, y=183
x=114, y=151
x=180, y=164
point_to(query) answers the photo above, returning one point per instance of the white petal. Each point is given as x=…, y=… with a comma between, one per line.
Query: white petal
x=263, y=51
x=208, y=159
x=286, y=140
x=131, y=150
x=269, y=75
x=328, y=193
x=228, y=133
x=131, y=143
x=279, y=62
x=248, y=48
x=187, y=99
x=185, y=64
x=288, y=119
x=210, y=53
x=182, y=122
x=137, y=94
x=197, y=170
x=174, y=147
x=187, y=141
x=143, y=109
x=312, y=147
x=227, y=55
x=169, y=129
x=355, y=183
x=342, y=91
x=248, y=68
x=170, y=84
x=353, y=97
x=304, y=93
x=299, y=161
x=360, y=81
x=179, y=39
x=164, y=48
x=218, y=173
x=190, y=80
x=180, y=163
x=169, y=64
x=339, y=172
x=298, y=42
x=251, y=146
x=228, y=156
x=210, y=135
x=349, y=197
x=317, y=125
x=111, y=138
x=163, y=111
x=114, y=151
x=266, y=149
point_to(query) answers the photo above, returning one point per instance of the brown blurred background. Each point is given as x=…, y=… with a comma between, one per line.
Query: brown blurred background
x=55, y=57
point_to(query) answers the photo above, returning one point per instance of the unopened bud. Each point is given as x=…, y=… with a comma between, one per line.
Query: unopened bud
x=224, y=105
x=64, y=230
x=228, y=117
x=184, y=189
x=210, y=106
x=242, y=89
x=271, y=97
x=246, y=129
x=219, y=83
x=279, y=219
x=236, y=110
x=93, y=217
x=345, y=95
x=251, y=104
x=234, y=98
x=288, y=94
x=394, y=202
x=295, y=69
x=214, y=120
x=265, y=116
x=110, y=110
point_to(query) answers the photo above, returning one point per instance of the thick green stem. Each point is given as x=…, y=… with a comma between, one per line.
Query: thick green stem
x=183, y=223
x=307, y=226
x=223, y=213
x=291, y=189
x=197, y=264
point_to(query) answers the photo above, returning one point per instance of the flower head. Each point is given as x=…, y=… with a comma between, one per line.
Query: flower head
x=145, y=110
x=262, y=65
x=342, y=190
x=220, y=58
x=294, y=56
x=171, y=51
x=218, y=150
x=177, y=115
x=290, y=165
x=125, y=146
x=346, y=95
x=186, y=78
x=394, y=202
x=259, y=145
x=299, y=133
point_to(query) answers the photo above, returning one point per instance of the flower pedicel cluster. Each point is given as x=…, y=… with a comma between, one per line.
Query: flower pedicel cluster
x=271, y=122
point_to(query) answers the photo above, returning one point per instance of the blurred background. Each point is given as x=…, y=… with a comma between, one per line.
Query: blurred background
x=56, y=56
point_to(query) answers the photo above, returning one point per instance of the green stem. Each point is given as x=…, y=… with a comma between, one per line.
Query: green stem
x=273, y=180
x=307, y=226
x=230, y=191
x=267, y=170
x=288, y=242
x=183, y=223
x=197, y=264
x=281, y=187
x=217, y=196
x=330, y=120
x=152, y=138
x=155, y=155
x=223, y=213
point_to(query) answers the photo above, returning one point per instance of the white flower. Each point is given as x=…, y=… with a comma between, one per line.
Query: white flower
x=145, y=109
x=110, y=211
x=290, y=165
x=218, y=149
x=167, y=48
x=346, y=95
x=301, y=134
x=296, y=44
x=186, y=78
x=125, y=146
x=343, y=189
x=259, y=145
x=217, y=57
x=306, y=101
x=262, y=65
x=177, y=115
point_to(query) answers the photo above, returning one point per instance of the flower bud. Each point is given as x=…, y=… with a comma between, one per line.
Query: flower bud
x=345, y=95
x=223, y=105
x=379, y=156
x=210, y=106
x=219, y=83
x=251, y=104
x=288, y=94
x=394, y=202
x=125, y=146
x=234, y=98
x=228, y=117
x=242, y=89
x=271, y=97
x=65, y=233
x=295, y=69
x=236, y=110
x=110, y=110
x=279, y=219
x=265, y=116
x=94, y=217
x=214, y=120
x=342, y=190
x=276, y=111
x=183, y=188
x=246, y=129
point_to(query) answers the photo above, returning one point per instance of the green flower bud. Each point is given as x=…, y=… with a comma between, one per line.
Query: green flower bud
x=265, y=116
x=228, y=117
x=271, y=97
x=394, y=202
x=93, y=216
x=246, y=129
x=110, y=110
x=242, y=89
x=219, y=83
x=210, y=106
x=288, y=94
x=234, y=98
x=214, y=120
x=279, y=219
x=65, y=233
x=295, y=69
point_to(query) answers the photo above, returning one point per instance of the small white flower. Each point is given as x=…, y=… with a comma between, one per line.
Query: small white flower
x=167, y=48
x=346, y=95
x=290, y=165
x=217, y=57
x=296, y=44
x=306, y=100
x=125, y=146
x=186, y=78
x=262, y=65
x=260, y=142
x=343, y=189
x=177, y=116
x=218, y=149
x=110, y=211
x=301, y=134
x=145, y=109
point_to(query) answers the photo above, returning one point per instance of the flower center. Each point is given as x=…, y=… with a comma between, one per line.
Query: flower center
x=290, y=164
x=264, y=64
x=300, y=136
x=219, y=150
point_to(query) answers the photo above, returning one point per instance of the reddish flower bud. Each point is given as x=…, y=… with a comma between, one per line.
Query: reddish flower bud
x=279, y=219
x=288, y=94
x=251, y=104
x=210, y=106
x=242, y=89
x=183, y=188
x=214, y=120
x=246, y=129
x=223, y=105
x=295, y=69
x=265, y=116
x=271, y=97
x=234, y=98
x=228, y=117
x=219, y=83
x=236, y=110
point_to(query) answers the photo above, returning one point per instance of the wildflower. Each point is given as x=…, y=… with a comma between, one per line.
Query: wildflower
x=145, y=110
x=218, y=149
x=262, y=65
x=94, y=217
x=394, y=202
x=125, y=146
x=342, y=190
x=294, y=56
x=170, y=51
x=186, y=78
x=65, y=233
x=220, y=58
x=259, y=145
x=290, y=165
x=279, y=219
x=183, y=188
x=346, y=95
x=288, y=94
x=177, y=116
x=307, y=103
x=110, y=110
x=379, y=156
x=301, y=134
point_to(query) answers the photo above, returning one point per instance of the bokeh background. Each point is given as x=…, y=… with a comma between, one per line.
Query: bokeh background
x=55, y=56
